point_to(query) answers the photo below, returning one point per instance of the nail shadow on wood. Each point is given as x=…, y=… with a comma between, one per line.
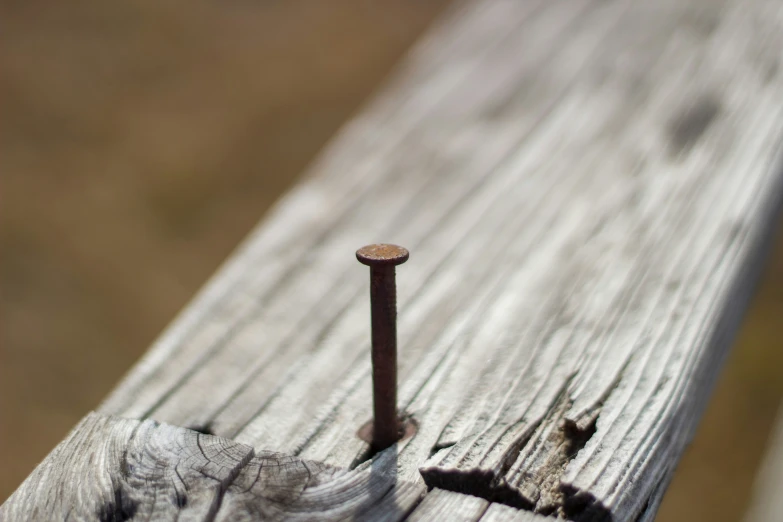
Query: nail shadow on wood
x=689, y=126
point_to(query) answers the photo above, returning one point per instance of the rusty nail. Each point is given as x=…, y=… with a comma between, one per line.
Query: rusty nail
x=386, y=428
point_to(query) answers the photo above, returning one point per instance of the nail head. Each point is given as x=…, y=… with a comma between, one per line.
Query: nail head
x=382, y=255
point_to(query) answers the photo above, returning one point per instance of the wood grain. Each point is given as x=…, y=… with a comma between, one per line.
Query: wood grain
x=586, y=188
x=442, y=505
x=113, y=469
x=447, y=505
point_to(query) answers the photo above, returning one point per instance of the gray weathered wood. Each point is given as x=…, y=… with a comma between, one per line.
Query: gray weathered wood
x=113, y=469
x=585, y=215
x=767, y=504
x=586, y=188
x=440, y=504
x=447, y=505
x=501, y=513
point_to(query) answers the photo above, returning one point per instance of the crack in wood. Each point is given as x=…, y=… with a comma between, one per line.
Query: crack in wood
x=529, y=477
x=225, y=482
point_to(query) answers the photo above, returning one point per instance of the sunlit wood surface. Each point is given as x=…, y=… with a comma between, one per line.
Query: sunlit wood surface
x=589, y=215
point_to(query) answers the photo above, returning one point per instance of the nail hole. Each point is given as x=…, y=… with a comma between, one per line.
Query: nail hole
x=408, y=428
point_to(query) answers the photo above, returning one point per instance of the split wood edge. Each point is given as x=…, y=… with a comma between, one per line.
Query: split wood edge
x=113, y=469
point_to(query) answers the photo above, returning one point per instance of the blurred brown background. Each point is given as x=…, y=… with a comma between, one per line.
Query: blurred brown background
x=141, y=140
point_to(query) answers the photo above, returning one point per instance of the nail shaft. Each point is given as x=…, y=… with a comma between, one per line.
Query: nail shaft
x=383, y=296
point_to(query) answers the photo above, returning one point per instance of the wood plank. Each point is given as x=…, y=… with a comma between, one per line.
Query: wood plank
x=111, y=469
x=447, y=505
x=586, y=188
x=440, y=504
x=501, y=513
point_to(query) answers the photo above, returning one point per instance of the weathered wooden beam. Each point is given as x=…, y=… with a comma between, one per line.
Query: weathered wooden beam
x=113, y=469
x=586, y=188
x=447, y=505
x=440, y=505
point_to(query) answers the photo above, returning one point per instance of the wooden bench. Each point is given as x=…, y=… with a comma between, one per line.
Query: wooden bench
x=587, y=189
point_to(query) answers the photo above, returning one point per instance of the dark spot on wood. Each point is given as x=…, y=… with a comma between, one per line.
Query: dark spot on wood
x=580, y=506
x=440, y=446
x=179, y=499
x=119, y=509
x=688, y=127
x=204, y=429
x=125, y=468
x=771, y=71
x=702, y=21
x=501, y=108
x=575, y=438
x=735, y=231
